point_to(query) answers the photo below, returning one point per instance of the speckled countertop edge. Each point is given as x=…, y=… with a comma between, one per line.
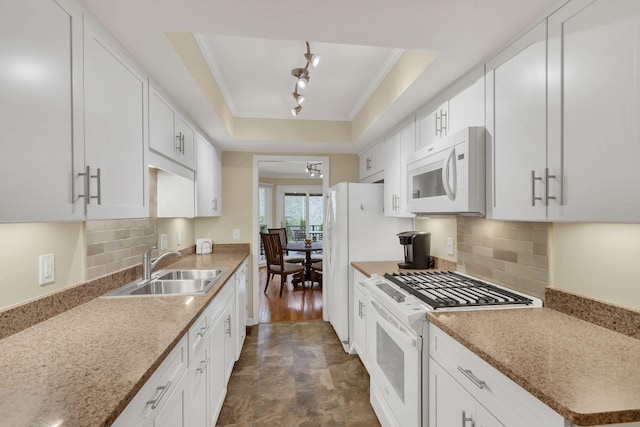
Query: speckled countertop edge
x=554, y=360
x=83, y=366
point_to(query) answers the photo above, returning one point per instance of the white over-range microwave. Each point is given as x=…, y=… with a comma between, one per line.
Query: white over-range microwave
x=448, y=177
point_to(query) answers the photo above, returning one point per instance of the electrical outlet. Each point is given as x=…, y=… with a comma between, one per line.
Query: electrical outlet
x=178, y=238
x=163, y=242
x=47, y=270
x=450, y=246
x=236, y=234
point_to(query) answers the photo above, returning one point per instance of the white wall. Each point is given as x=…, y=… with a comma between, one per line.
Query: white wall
x=600, y=261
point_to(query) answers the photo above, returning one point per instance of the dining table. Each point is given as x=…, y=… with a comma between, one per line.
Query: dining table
x=307, y=249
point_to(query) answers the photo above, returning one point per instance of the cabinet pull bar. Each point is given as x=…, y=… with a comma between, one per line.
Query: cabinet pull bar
x=202, y=331
x=467, y=373
x=465, y=419
x=368, y=163
x=179, y=141
x=443, y=122
x=228, y=331
x=438, y=130
x=87, y=190
x=546, y=191
x=98, y=178
x=534, y=178
x=203, y=366
x=163, y=389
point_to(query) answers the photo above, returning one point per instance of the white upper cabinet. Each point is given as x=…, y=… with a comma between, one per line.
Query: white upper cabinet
x=41, y=69
x=372, y=163
x=432, y=126
x=397, y=146
x=208, y=179
x=115, y=119
x=169, y=133
x=464, y=109
x=594, y=111
x=516, y=105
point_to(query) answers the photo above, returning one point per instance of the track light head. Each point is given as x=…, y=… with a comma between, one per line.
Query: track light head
x=299, y=98
x=312, y=59
x=295, y=111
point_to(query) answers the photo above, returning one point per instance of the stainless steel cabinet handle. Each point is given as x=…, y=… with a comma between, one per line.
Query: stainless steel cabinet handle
x=360, y=309
x=202, y=331
x=163, y=389
x=182, y=143
x=98, y=178
x=465, y=419
x=534, y=178
x=87, y=190
x=546, y=190
x=203, y=366
x=368, y=163
x=228, y=331
x=467, y=373
x=443, y=122
x=215, y=204
x=438, y=130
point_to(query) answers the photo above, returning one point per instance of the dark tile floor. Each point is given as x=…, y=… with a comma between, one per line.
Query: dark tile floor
x=296, y=374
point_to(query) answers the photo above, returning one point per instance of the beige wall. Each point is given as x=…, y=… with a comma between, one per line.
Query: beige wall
x=440, y=229
x=23, y=243
x=601, y=261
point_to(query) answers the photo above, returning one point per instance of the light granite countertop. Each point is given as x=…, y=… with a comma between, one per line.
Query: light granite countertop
x=588, y=374
x=82, y=367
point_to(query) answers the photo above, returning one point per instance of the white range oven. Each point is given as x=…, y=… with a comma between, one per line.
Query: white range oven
x=397, y=328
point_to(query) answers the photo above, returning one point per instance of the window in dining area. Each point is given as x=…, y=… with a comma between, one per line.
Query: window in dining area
x=302, y=214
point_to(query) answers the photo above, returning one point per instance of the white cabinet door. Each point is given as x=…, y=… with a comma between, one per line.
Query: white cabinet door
x=115, y=107
x=208, y=177
x=187, y=136
x=198, y=379
x=217, y=383
x=432, y=126
x=41, y=80
x=163, y=116
x=229, y=337
x=516, y=127
x=241, y=307
x=466, y=109
x=594, y=106
x=360, y=307
x=174, y=411
x=398, y=146
x=451, y=405
x=372, y=163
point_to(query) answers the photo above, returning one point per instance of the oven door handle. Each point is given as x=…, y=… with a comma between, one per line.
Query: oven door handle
x=449, y=175
x=390, y=324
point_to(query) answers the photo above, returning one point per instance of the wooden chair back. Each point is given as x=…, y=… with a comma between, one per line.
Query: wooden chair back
x=282, y=232
x=272, y=250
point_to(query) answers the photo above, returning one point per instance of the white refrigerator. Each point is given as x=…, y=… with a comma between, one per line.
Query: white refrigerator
x=356, y=230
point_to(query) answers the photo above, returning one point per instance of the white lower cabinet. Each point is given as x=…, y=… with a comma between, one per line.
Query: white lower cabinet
x=452, y=405
x=189, y=387
x=242, y=309
x=462, y=385
x=360, y=307
x=161, y=401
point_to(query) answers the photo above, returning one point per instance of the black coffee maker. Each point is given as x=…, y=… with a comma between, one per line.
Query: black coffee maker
x=417, y=246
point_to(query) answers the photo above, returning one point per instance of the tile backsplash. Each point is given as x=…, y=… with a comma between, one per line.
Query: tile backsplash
x=116, y=244
x=510, y=253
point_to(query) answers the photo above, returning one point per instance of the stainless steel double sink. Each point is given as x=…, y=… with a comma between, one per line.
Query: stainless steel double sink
x=171, y=282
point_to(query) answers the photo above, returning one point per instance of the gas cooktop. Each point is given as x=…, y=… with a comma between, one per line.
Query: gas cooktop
x=447, y=289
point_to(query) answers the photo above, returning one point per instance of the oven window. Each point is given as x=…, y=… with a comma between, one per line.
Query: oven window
x=390, y=358
x=428, y=184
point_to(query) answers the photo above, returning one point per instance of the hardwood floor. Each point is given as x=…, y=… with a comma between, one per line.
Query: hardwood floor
x=294, y=305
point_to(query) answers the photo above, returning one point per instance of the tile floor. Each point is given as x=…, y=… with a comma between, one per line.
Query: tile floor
x=296, y=374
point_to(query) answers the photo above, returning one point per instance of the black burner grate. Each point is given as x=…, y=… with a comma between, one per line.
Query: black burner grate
x=442, y=289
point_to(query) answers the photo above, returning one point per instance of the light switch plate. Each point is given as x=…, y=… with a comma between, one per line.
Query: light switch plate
x=236, y=234
x=47, y=271
x=449, y=245
x=178, y=238
x=163, y=242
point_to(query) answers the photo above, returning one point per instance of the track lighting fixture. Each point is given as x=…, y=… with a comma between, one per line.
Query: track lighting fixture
x=313, y=169
x=302, y=78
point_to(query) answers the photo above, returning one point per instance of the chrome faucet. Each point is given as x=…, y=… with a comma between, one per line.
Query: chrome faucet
x=148, y=266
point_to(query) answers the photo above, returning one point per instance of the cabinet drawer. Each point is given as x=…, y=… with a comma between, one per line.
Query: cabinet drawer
x=490, y=387
x=154, y=394
x=198, y=333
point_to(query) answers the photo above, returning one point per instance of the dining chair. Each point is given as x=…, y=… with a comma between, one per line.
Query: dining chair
x=316, y=274
x=276, y=263
x=282, y=232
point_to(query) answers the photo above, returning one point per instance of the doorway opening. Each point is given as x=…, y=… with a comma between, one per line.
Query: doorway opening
x=286, y=196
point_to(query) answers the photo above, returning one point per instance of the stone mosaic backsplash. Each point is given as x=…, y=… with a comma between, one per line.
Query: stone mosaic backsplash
x=509, y=253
